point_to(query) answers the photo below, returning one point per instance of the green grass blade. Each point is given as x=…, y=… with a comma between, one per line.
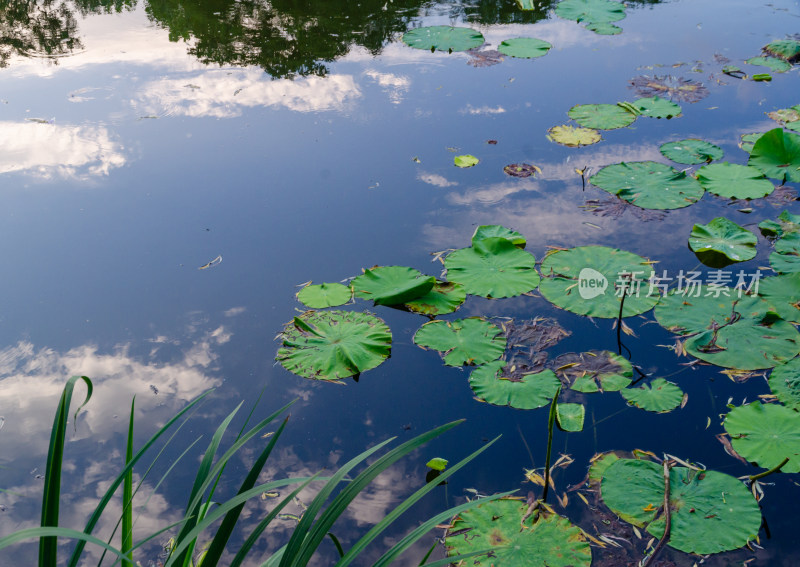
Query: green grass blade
x=98, y=511
x=343, y=499
x=52, y=479
x=405, y=505
x=338, y=545
x=427, y=526
x=55, y=532
x=127, y=492
x=214, y=552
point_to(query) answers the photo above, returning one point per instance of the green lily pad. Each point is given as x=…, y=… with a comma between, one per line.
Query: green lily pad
x=749, y=140
x=594, y=371
x=730, y=331
x=524, y=47
x=392, y=285
x=329, y=345
x=783, y=295
x=786, y=257
x=590, y=280
x=603, y=28
x=649, y=185
x=550, y=542
x=691, y=151
x=786, y=223
x=710, y=512
x=761, y=77
x=734, y=181
x=325, y=295
x=443, y=38
x=777, y=155
x=765, y=434
x=493, y=268
x=443, y=298
x=784, y=381
x=655, y=107
x=788, y=49
x=601, y=116
x=573, y=137
x=591, y=11
x=725, y=237
x=775, y=64
x=570, y=416
x=497, y=231
x=530, y=391
x=437, y=464
x=465, y=160
x=463, y=341
x=658, y=396
x=787, y=117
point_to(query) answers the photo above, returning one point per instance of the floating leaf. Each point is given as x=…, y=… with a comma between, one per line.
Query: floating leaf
x=594, y=371
x=765, y=434
x=328, y=345
x=786, y=223
x=658, y=396
x=498, y=231
x=649, y=185
x=463, y=341
x=443, y=38
x=530, y=391
x=710, y=512
x=725, y=237
x=788, y=117
x=493, y=267
x=786, y=257
x=784, y=381
x=601, y=116
x=656, y=107
x=521, y=170
x=783, y=295
x=788, y=49
x=443, y=298
x=777, y=65
x=570, y=416
x=728, y=330
x=748, y=140
x=674, y=88
x=573, y=137
x=590, y=11
x=691, y=151
x=524, y=47
x=603, y=28
x=734, y=181
x=761, y=77
x=590, y=280
x=325, y=295
x=777, y=154
x=437, y=464
x=392, y=285
x=465, y=160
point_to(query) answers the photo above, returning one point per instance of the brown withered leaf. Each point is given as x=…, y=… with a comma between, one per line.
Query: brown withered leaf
x=677, y=89
x=616, y=207
x=486, y=58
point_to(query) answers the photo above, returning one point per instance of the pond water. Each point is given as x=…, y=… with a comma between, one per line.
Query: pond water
x=295, y=142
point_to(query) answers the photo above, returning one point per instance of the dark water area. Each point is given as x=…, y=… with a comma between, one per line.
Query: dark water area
x=300, y=141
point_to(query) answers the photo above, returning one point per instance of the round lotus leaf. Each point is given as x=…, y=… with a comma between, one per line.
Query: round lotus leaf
x=786, y=223
x=463, y=341
x=498, y=525
x=601, y=116
x=493, y=267
x=497, y=231
x=521, y=170
x=786, y=257
x=325, y=295
x=328, y=345
x=748, y=140
x=773, y=63
x=691, y=151
x=784, y=381
x=524, y=47
x=594, y=371
x=591, y=280
x=591, y=11
x=530, y=391
x=788, y=49
x=734, y=181
x=573, y=137
x=649, y=185
x=603, y=28
x=570, y=416
x=783, y=295
x=725, y=237
x=392, y=285
x=656, y=107
x=443, y=38
x=784, y=115
x=710, y=512
x=659, y=396
x=765, y=434
x=443, y=298
x=465, y=161
x=731, y=331
x=777, y=155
